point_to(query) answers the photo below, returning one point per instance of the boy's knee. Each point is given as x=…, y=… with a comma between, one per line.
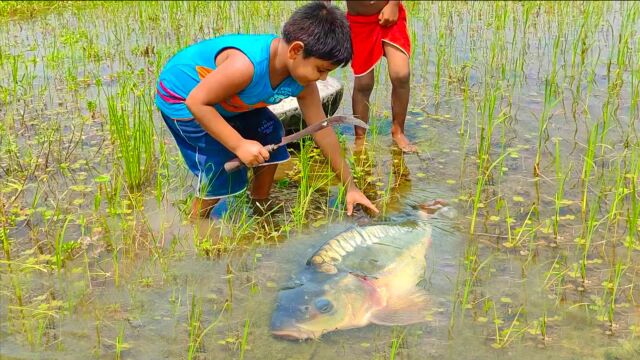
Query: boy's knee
x=400, y=79
x=364, y=86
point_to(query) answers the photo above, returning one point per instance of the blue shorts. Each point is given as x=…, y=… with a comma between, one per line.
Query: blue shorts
x=205, y=156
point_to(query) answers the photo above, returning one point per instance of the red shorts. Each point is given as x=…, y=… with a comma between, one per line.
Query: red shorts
x=367, y=36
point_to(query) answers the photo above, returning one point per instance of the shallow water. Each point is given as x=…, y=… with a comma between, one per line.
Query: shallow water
x=145, y=275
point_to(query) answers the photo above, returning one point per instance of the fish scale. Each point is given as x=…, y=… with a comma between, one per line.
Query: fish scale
x=336, y=246
x=331, y=253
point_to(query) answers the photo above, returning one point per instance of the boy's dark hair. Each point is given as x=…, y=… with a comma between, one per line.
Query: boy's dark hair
x=324, y=31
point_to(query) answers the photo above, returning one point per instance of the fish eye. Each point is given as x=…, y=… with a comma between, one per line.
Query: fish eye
x=323, y=305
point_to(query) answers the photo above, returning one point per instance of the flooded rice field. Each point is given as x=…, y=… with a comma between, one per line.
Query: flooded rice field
x=526, y=116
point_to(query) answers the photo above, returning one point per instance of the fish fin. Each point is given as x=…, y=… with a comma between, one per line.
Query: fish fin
x=405, y=310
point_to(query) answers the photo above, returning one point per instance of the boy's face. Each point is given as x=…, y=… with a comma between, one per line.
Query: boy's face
x=307, y=70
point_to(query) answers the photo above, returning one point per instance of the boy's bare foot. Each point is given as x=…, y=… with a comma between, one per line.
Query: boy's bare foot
x=433, y=206
x=359, y=143
x=201, y=208
x=403, y=143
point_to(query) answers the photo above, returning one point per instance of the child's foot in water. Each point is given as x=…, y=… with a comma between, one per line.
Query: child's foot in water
x=359, y=144
x=433, y=206
x=403, y=143
x=220, y=209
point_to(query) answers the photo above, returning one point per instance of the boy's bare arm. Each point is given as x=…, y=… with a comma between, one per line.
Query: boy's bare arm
x=233, y=73
x=311, y=107
x=389, y=14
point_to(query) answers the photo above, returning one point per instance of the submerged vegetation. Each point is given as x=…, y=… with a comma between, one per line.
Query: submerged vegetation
x=527, y=118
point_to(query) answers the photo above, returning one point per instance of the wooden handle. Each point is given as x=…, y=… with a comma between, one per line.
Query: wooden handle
x=233, y=165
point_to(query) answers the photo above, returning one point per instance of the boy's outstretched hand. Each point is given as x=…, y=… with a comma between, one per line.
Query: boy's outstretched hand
x=355, y=196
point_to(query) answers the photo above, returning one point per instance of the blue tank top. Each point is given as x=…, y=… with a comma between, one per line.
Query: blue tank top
x=185, y=70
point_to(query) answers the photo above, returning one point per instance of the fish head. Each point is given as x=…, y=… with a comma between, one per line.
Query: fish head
x=317, y=307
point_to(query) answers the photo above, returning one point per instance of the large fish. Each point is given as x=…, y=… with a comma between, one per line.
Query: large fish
x=364, y=275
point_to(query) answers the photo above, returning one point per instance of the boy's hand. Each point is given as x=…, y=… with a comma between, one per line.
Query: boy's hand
x=389, y=14
x=251, y=153
x=355, y=196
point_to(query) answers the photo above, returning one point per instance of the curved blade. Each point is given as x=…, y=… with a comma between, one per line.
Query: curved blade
x=330, y=121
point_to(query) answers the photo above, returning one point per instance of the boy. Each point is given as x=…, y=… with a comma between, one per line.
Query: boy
x=213, y=97
x=380, y=28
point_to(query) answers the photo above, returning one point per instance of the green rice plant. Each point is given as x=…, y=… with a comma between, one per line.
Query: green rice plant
x=120, y=344
x=482, y=179
x=195, y=346
x=468, y=278
x=59, y=244
x=440, y=60
x=464, y=283
x=132, y=131
x=559, y=195
x=497, y=47
x=116, y=267
x=630, y=15
x=16, y=80
x=240, y=221
x=611, y=291
x=587, y=237
x=634, y=115
x=111, y=188
x=619, y=191
x=607, y=115
x=163, y=173
x=340, y=198
x=589, y=164
x=98, y=347
x=505, y=336
x=487, y=111
x=580, y=39
x=229, y=278
x=245, y=337
x=543, y=326
x=633, y=210
x=195, y=331
x=502, y=203
x=583, y=43
x=549, y=103
x=591, y=80
x=15, y=283
x=309, y=183
x=527, y=11
x=558, y=202
x=387, y=195
x=396, y=342
x=526, y=229
x=553, y=77
x=4, y=233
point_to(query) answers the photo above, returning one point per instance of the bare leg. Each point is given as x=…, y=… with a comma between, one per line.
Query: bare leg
x=362, y=87
x=398, y=64
x=262, y=181
x=261, y=187
x=201, y=208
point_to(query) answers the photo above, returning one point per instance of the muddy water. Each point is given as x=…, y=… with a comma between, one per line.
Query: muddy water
x=163, y=282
